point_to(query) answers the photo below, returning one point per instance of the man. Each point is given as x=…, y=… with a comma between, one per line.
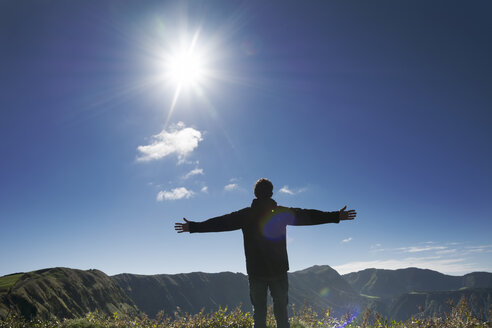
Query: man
x=264, y=232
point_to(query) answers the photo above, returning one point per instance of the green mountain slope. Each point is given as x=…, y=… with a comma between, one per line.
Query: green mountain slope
x=62, y=293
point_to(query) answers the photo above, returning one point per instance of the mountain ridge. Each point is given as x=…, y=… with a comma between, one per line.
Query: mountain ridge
x=391, y=283
x=68, y=293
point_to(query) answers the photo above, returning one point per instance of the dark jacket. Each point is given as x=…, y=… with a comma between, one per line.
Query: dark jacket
x=264, y=231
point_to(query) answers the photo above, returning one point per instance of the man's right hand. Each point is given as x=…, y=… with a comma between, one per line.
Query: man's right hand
x=182, y=227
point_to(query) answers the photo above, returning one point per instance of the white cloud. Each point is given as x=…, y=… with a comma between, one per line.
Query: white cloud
x=193, y=172
x=177, y=193
x=204, y=189
x=478, y=249
x=231, y=187
x=286, y=190
x=415, y=249
x=446, y=251
x=347, y=240
x=178, y=140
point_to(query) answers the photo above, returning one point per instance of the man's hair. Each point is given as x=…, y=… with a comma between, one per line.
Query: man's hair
x=263, y=188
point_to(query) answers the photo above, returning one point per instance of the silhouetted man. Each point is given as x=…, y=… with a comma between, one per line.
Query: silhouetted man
x=264, y=231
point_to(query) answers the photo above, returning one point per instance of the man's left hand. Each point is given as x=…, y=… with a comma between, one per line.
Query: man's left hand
x=347, y=215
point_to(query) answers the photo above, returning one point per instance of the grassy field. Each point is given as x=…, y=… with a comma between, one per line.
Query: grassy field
x=8, y=281
x=459, y=317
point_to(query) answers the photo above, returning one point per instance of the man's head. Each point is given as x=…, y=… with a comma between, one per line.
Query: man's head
x=263, y=189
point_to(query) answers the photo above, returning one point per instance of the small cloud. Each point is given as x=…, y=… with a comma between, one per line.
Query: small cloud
x=416, y=249
x=177, y=193
x=178, y=140
x=286, y=190
x=478, y=247
x=231, y=187
x=347, y=240
x=204, y=189
x=193, y=172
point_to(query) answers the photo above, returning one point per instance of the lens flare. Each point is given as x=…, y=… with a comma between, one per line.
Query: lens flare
x=274, y=222
x=348, y=321
x=324, y=292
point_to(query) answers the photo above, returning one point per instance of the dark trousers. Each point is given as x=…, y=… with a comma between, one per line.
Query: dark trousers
x=279, y=288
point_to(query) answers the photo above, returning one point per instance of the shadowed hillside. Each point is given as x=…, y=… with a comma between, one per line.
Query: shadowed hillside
x=62, y=293
x=191, y=292
x=438, y=303
x=318, y=286
x=392, y=283
x=322, y=287
x=400, y=293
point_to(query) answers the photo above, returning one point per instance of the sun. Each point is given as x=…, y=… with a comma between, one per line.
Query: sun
x=185, y=65
x=186, y=68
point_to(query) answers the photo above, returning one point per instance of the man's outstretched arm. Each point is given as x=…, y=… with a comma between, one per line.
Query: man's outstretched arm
x=228, y=222
x=313, y=217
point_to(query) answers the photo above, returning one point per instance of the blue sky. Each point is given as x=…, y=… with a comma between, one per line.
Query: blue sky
x=385, y=108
